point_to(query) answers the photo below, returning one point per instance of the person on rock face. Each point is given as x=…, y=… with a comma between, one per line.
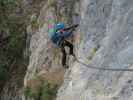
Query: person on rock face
x=59, y=37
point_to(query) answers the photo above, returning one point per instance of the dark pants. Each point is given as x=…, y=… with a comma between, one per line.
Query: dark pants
x=64, y=54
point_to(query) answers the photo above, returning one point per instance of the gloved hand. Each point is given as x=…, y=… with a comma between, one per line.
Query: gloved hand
x=76, y=25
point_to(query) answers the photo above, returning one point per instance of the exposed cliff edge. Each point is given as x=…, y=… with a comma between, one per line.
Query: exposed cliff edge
x=106, y=31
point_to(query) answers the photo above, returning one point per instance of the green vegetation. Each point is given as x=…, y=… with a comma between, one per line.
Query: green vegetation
x=28, y=92
x=92, y=54
x=45, y=92
x=52, y=3
x=13, y=38
x=93, y=51
x=34, y=22
x=48, y=91
x=3, y=72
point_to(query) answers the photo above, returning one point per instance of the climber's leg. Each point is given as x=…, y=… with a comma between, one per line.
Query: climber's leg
x=70, y=45
x=63, y=54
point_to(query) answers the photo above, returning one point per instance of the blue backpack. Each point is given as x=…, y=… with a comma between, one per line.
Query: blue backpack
x=56, y=35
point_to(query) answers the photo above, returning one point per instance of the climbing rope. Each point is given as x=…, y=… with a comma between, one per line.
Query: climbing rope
x=103, y=68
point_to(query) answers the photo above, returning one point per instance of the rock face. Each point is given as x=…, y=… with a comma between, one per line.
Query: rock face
x=45, y=58
x=106, y=41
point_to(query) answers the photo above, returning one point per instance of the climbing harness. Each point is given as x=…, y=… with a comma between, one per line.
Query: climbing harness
x=103, y=68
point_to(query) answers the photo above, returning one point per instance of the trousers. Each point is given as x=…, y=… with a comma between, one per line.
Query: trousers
x=63, y=44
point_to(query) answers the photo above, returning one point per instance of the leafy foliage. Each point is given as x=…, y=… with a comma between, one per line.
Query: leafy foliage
x=13, y=30
x=28, y=92
x=49, y=91
x=3, y=72
x=46, y=92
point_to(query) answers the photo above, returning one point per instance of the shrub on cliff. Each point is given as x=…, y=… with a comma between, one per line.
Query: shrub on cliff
x=46, y=91
x=11, y=28
x=3, y=72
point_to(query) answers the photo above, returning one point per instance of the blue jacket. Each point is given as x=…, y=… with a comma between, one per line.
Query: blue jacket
x=56, y=37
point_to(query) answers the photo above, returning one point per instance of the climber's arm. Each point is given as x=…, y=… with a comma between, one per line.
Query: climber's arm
x=71, y=27
x=67, y=31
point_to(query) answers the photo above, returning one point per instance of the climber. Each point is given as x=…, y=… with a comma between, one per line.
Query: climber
x=59, y=37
